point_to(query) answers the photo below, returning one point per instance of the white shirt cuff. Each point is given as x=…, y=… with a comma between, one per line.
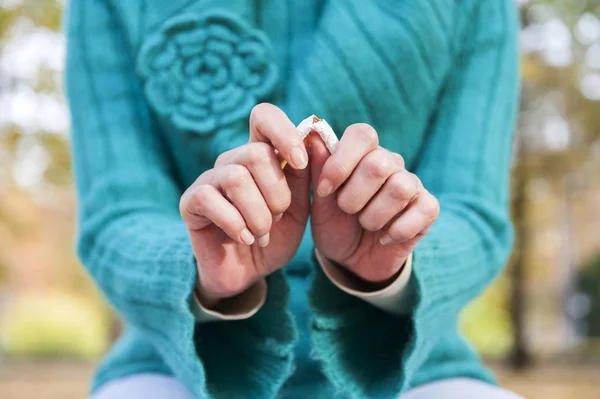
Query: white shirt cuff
x=239, y=307
x=392, y=299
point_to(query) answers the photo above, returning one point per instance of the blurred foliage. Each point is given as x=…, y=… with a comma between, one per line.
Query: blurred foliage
x=548, y=91
x=54, y=325
x=68, y=317
x=41, y=13
x=58, y=171
x=487, y=323
x=589, y=286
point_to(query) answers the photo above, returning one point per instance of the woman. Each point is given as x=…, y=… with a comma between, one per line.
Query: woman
x=201, y=241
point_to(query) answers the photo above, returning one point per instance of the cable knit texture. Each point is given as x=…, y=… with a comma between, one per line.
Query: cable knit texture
x=205, y=71
x=158, y=89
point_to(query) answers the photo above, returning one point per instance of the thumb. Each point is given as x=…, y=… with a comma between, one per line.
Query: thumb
x=299, y=183
x=318, y=156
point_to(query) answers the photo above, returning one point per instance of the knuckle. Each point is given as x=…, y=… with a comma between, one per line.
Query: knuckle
x=234, y=226
x=201, y=194
x=368, y=222
x=399, y=233
x=377, y=166
x=281, y=202
x=259, y=153
x=295, y=140
x=399, y=159
x=183, y=204
x=258, y=112
x=236, y=175
x=261, y=226
x=347, y=205
x=195, y=201
x=400, y=188
x=336, y=169
x=261, y=116
x=200, y=200
x=223, y=158
x=430, y=207
x=366, y=133
x=260, y=220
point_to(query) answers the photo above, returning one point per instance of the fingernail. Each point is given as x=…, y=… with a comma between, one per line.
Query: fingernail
x=247, y=237
x=277, y=218
x=325, y=188
x=386, y=240
x=299, y=158
x=263, y=241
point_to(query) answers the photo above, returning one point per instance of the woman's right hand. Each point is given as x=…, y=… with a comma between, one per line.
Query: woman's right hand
x=246, y=216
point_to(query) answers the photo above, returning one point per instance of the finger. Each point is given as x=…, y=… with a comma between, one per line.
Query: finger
x=356, y=142
x=318, y=156
x=397, y=192
x=417, y=218
x=203, y=205
x=298, y=182
x=366, y=180
x=270, y=124
x=260, y=159
x=236, y=182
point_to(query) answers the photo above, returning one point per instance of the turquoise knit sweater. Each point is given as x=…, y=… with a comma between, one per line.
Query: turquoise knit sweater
x=159, y=88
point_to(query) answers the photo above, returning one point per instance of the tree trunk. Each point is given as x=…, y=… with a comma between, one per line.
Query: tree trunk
x=520, y=357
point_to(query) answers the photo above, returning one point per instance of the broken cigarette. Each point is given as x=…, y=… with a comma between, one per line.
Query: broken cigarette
x=314, y=124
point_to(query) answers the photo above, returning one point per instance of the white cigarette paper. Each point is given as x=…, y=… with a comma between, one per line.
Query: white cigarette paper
x=313, y=123
x=320, y=126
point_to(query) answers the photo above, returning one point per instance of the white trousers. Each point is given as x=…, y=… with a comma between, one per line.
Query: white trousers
x=156, y=386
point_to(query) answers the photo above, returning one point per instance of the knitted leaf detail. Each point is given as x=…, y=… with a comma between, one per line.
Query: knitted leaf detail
x=205, y=71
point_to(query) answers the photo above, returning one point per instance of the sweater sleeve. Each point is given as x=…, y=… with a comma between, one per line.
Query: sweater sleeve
x=465, y=163
x=131, y=238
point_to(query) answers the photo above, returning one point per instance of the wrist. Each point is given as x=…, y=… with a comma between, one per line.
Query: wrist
x=375, y=275
x=396, y=297
x=205, y=300
x=238, y=307
x=368, y=284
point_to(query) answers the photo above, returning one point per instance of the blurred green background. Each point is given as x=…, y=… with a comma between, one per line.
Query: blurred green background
x=538, y=325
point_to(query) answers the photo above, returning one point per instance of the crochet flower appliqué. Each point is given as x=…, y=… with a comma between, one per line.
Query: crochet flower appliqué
x=205, y=71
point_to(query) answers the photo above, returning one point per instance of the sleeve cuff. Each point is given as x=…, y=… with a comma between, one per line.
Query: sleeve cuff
x=239, y=307
x=393, y=299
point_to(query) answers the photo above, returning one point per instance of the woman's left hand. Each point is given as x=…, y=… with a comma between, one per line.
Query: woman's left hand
x=368, y=212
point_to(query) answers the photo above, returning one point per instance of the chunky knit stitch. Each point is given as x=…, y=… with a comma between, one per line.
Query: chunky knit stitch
x=158, y=89
x=206, y=70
